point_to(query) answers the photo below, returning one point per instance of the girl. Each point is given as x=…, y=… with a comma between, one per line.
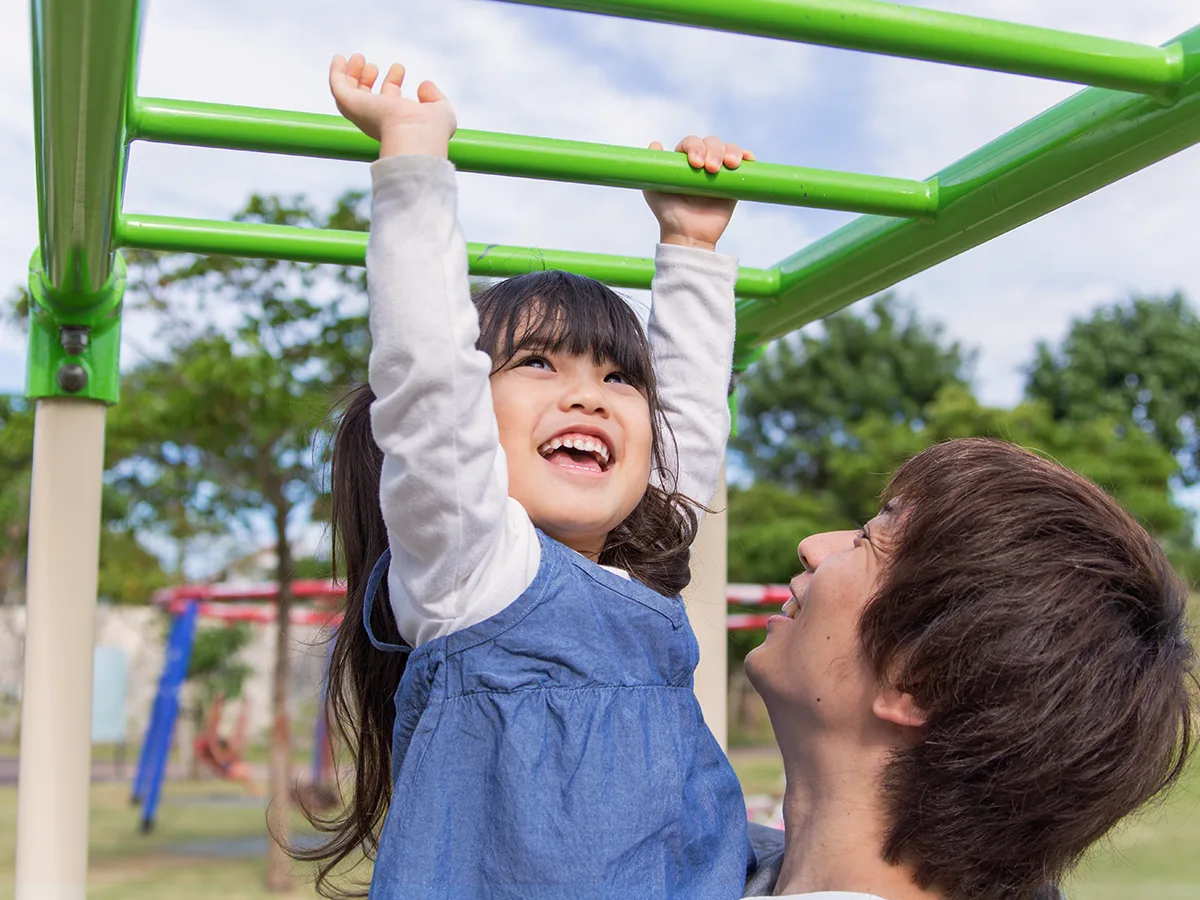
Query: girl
x=510, y=469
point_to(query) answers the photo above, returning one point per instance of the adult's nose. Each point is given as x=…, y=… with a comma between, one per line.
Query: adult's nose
x=816, y=548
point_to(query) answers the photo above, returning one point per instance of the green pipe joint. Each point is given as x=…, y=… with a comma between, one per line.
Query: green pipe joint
x=74, y=338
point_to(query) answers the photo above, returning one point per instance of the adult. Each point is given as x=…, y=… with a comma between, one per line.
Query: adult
x=976, y=686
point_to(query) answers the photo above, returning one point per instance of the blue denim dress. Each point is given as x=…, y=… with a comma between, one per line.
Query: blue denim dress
x=557, y=750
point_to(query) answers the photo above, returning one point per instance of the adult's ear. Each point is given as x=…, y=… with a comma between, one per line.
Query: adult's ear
x=899, y=708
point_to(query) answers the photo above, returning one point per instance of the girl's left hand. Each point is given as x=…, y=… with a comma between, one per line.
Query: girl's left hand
x=697, y=221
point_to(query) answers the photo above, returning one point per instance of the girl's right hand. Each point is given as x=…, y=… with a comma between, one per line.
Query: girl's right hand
x=401, y=125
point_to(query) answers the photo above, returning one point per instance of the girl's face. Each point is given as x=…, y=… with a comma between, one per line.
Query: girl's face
x=577, y=438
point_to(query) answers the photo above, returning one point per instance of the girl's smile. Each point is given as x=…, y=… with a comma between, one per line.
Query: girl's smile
x=582, y=448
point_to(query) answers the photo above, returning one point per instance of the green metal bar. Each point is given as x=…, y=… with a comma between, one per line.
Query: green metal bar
x=81, y=50
x=332, y=137
x=349, y=248
x=1090, y=140
x=84, y=60
x=915, y=33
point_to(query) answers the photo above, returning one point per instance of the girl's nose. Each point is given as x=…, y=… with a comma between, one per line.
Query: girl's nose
x=584, y=394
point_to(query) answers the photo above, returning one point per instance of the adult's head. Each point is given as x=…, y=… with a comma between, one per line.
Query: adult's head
x=1007, y=645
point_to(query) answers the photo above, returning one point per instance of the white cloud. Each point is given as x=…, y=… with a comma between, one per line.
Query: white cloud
x=1131, y=237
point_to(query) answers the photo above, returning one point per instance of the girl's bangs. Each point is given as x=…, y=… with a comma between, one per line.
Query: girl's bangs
x=555, y=312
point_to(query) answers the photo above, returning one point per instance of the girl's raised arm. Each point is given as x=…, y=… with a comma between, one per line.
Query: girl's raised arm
x=461, y=549
x=691, y=327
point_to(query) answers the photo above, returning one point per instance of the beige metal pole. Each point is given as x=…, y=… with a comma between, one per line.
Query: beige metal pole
x=64, y=550
x=706, y=606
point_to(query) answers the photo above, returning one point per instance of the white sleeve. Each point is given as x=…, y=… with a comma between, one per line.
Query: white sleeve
x=691, y=334
x=462, y=549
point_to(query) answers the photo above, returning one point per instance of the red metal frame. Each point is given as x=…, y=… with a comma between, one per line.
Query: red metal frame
x=237, y=603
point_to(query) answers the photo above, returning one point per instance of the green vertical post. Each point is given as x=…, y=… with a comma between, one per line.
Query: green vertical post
x=84, y=56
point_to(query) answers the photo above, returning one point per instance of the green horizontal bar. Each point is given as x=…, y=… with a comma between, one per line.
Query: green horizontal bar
x=349, y=248
x=915, y=33
x=332, y=137
x=1090, y=140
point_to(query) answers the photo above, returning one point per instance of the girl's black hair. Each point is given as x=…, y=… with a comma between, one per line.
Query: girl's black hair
x=547, y=312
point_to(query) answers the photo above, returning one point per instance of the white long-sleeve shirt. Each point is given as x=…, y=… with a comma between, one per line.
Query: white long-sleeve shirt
x=462, y=549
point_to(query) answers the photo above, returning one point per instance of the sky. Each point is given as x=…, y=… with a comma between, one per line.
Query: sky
x=563, y=74
x=569, y=75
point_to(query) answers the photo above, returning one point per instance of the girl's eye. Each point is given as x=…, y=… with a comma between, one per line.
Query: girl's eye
x=618, y=378
x=535, y=362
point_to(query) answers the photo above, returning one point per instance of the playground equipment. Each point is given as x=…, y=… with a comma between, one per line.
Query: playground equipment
x=1144, y=106
x=187, y=604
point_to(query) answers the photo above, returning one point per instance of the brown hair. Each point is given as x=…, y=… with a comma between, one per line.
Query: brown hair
x=1042, y=632
x=542, y=312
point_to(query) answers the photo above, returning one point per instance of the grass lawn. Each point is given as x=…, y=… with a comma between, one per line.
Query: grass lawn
x=1154, y=857
x=196, y=822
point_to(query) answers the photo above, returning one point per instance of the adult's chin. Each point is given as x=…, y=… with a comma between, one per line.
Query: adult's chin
x=754, y=666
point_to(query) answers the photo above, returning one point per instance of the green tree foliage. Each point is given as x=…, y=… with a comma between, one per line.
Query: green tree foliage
x=312, y=567
x=215, y=665
x=798, y=403
x=1136, y=363
x=766, y=522
x=128, y=574
x=16, y=456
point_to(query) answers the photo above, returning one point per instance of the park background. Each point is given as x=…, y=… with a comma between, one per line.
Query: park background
x=1076, y=334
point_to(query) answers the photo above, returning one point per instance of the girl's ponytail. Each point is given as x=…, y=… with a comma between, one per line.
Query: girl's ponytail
x=362, y=680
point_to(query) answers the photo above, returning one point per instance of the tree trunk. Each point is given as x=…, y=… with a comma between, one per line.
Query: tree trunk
x=196, y=707
x=279, y=788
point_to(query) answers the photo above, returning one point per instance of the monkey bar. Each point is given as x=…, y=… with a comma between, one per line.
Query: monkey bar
x=1143, y=105
x=252, y=603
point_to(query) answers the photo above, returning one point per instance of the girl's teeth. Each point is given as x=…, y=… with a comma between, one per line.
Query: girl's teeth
x=585, y=444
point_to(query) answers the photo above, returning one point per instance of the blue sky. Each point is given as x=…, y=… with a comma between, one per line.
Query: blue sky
x=560, y=74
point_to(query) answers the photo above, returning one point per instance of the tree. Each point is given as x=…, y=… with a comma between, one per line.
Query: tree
x=16, y=460
x=799, y=403
x=227, y=425
x=1136, y=363
x=1131, y=465
x=766, y=522
x=128, y=573
x=214, y=664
